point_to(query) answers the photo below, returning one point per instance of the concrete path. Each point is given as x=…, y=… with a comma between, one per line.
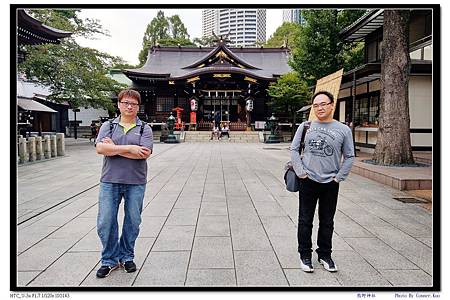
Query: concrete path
x=216, y=214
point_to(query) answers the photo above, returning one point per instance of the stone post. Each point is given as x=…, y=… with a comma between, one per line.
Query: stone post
x=23, y=153
x=53, y=145
x=39, y=153
x=60, y=144
x=32, y=148
x=47, y=146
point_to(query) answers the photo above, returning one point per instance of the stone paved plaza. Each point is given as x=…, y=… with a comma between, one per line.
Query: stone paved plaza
x=215, y=214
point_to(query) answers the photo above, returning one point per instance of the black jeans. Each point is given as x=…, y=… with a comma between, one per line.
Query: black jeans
x=327, y=193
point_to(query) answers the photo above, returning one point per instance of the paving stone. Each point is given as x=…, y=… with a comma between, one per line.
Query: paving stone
x=151, y=226
x=258, y=268
x=76, y=228
x=279, y=226
x=346, y=227
x=29, y=236
x=43, y=254
x=211, y=277
x=362, y=217
x=412, y=249
x=213, y=226
x=250, y=192
x=426, y=241
x=164, y=269
x=188, y=202
x=69, y=270
x=354, y=271
x=211, y=252
x=23, y=278
x=159, y=208
x=175, y=238
x=90, y=242
x=183, y=216
x=413, y=278
x=249, y=237
x=269, y=209
x=370, y=249
x=119, y=277
x=319, y=277
x=213, y=209
x=286, y=250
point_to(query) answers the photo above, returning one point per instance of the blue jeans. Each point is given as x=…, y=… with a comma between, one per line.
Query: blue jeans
x=115, y=250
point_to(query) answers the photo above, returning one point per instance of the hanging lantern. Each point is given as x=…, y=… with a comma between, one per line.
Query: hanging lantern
x=194, y=104
x=249, y=104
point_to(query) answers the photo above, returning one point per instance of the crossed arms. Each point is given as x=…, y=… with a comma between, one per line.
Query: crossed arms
x=108, y=148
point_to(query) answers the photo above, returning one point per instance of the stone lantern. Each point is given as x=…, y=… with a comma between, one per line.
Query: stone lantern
x=272, y=124
x=171, y=138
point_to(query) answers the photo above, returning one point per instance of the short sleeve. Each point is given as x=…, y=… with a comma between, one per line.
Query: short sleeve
x=147, y=137
x=102, y=133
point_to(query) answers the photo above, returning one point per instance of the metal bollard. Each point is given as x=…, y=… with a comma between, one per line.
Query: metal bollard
x=47, y=146
x=60, y=144
x=53, y=145
x=23, y=153
x=32, y=148
x=39, y=153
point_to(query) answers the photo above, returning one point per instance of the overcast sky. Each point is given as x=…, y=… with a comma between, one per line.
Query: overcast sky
x=127, y=27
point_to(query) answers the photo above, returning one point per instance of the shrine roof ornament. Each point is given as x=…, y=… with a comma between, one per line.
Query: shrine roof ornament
x=221, y=51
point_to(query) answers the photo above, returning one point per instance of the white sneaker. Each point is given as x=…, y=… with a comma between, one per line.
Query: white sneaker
x=328, y=264
x=306, y=265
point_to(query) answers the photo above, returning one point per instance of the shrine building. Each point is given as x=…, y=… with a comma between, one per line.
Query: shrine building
x=230, y=82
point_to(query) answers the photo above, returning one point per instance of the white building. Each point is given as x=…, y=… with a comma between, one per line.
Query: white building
x=246, y=27
x=293, y=16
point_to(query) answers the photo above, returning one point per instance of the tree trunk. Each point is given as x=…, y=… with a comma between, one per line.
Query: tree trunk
x=394, y=141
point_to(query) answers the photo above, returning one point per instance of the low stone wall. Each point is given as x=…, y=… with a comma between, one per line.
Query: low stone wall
x=40, y=148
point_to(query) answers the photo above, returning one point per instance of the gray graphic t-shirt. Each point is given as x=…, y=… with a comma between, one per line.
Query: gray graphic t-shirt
x=328, y=153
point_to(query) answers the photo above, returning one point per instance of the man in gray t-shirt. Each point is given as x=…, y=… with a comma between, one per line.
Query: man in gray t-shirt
x=327, y=159
x=126, y=142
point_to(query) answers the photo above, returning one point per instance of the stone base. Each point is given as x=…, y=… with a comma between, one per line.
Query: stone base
x=272, y=139
x=171, y=139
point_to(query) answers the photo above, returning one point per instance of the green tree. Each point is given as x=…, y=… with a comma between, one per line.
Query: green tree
x=165, y=31
x=75, y=74
x=177, y=28
x=286, y=33
x=205, y=41
x=318, y=50
x=68, y=20
x=289, y=94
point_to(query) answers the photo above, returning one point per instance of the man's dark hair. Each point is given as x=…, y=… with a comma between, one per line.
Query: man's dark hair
x=328, y=94
x=131, y=94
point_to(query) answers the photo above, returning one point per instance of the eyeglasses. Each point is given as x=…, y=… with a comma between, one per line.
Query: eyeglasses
x=125, y=103
x=322, y=105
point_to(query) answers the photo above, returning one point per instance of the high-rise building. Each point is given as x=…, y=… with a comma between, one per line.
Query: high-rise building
x=293, y=15
x=245, y=27
x=209, y=21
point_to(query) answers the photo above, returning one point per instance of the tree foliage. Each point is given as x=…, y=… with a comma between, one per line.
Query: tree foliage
x=204, y=41
x=68, y=20
x=289, y=94
x=164, y=31
x=319, y=51
x=288, y=34
x=74, y=74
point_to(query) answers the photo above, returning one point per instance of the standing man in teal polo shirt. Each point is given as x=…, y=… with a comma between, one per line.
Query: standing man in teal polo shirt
x=126, y=142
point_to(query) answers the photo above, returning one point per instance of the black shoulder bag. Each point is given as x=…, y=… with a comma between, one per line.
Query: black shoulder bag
x=290, y=178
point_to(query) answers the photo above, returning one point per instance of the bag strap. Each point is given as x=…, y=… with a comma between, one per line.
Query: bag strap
x=302, y=141
x=142, y=127
x=111, y=127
